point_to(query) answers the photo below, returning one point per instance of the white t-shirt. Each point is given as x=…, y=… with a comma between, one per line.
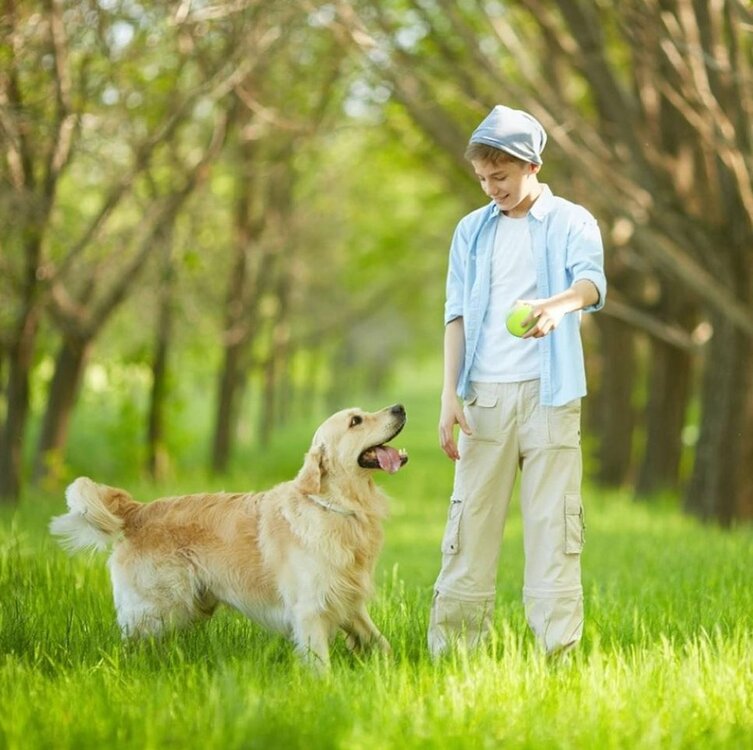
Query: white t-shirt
x=502, y=357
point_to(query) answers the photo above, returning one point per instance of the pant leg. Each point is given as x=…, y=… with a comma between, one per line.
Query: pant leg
x=552, y=522
x=463, y=605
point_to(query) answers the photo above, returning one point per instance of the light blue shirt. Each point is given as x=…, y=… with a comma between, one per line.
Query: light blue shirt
x=567, y=247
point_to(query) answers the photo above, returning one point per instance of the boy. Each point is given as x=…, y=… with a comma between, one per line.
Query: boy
x=521, y=395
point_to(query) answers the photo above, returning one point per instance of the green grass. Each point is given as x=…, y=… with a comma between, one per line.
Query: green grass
x=666, y=662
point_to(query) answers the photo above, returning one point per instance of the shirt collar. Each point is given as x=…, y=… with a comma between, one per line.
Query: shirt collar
x=541, y=207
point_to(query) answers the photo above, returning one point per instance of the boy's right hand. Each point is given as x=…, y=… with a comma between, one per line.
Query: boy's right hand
x=450, y=415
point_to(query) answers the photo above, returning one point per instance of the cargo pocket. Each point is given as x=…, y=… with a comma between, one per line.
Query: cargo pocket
x=575, y=528
x=482, y=417
x=451, y=540
x=563, y=425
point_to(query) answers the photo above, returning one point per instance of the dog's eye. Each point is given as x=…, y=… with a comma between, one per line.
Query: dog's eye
x=355, y=421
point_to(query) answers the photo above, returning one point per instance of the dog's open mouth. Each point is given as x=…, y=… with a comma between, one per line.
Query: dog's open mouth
x=384, y=456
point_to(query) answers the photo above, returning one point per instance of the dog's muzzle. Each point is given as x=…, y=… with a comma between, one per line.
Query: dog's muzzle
x=383, y=456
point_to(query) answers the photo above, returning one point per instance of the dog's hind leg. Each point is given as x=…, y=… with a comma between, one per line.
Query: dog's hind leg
x=138, y=616
x=361, y=632
x=150, y=598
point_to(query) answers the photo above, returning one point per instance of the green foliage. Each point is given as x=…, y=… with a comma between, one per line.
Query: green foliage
x=667, y=660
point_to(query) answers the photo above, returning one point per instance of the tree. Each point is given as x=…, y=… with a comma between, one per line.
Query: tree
x=95, y=104
x=282, y=104
x=38, y=133
x=81, y=320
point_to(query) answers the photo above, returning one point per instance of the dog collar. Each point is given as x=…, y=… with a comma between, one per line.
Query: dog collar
x=329, y=505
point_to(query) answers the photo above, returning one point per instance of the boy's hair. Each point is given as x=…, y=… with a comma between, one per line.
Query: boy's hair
x=483, y=152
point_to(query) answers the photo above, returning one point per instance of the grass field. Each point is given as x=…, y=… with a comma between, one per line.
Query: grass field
x=667, y=659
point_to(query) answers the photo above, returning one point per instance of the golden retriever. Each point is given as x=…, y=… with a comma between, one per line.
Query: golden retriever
x=298, y=558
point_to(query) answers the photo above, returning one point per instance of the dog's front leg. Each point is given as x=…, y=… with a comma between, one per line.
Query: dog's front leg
x=362, y=632
x=311, y=636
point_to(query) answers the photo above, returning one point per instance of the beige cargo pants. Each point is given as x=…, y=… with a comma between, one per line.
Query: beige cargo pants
x=512, y=430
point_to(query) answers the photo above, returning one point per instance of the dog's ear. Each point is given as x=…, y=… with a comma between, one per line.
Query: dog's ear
x=309, y=479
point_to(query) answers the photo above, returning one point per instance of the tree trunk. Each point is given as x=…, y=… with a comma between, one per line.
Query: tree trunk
x=716, y=488
x=669, y=387
x=66, y=380
x=233, y=372
x=265, y=229
x=228, y=391
x=614, y=418
x=238, y=333
x=670, y=384
x=3, y=359
x=268, y=406
x=11, y=445
x=745, y=505
x=275, y=367
x=157, y=457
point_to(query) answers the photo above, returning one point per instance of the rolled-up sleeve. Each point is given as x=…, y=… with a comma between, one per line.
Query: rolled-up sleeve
x=585, y=257
x=456, y=275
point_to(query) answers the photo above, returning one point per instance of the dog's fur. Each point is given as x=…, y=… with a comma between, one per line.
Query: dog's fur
x=298, y=558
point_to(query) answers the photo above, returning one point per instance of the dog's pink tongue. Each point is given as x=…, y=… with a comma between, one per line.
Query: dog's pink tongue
x=389, y=458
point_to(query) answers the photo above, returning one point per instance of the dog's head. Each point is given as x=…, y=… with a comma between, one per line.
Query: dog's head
x=353, y=442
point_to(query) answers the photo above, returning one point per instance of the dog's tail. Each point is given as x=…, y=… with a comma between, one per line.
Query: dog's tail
x=96, y=515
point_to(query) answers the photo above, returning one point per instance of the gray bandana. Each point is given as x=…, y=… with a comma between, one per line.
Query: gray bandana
x=513, y=131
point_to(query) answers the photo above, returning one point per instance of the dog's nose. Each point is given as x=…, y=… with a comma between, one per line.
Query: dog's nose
x=398, y=410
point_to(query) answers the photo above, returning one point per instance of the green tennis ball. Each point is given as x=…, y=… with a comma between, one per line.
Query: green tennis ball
x=516, y=319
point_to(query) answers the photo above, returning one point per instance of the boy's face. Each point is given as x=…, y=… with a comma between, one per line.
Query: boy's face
x=512, y=185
